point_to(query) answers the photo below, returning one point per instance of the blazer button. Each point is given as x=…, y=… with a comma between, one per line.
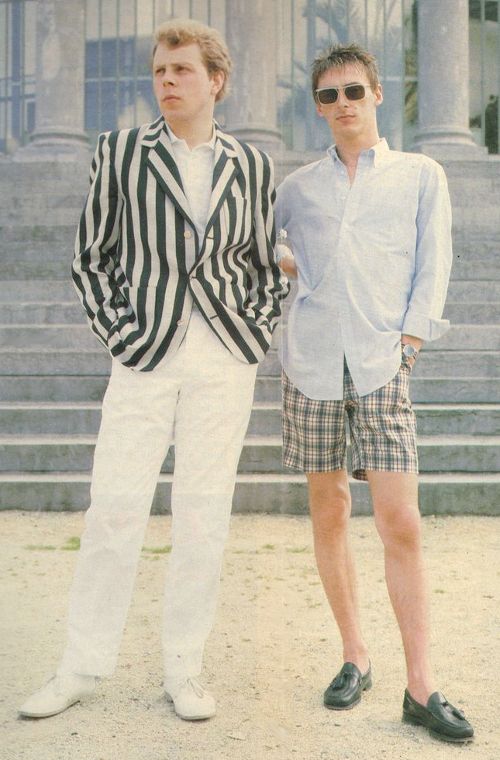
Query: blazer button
x=188, y=234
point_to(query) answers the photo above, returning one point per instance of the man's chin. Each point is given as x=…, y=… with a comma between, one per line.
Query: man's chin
x=345, y=131
x=173, y=114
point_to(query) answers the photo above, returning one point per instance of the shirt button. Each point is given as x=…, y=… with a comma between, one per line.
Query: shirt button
x=181, y=321
x=188, y=234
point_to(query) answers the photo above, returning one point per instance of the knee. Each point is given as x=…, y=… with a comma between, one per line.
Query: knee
x=113, y=523
x=399, y=525
x=330, y=509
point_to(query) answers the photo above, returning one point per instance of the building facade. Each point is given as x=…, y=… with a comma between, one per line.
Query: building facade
x=70, y=69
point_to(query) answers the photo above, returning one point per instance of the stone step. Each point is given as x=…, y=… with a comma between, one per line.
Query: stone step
x=69, y=453
x=83, y=418
x=63, y=211
x=38, y=259
x=35, y=267
x=48, y=196
x=66, y=214
x=472, y=291
x=276, y=494
x=55, y=217
x=59, y=288
x=470, y=313
x=32, y=337
x=37, y=173
x=79, y=337
x=33, y=263
x=96, y=361
x=92, y=387
x=482, y=175
x=71, y=312
x=71, y=418
x=478, y=269
x=471, y=242
x=50, y=199
x=46, y=313
x=474, y=230
x=42, y=291
x=50, y=236
x=469, y=248
x=57, y=210
x=68, y=312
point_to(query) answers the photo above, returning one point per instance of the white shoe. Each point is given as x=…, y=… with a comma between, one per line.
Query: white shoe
x=191, y=701
x=57, y=695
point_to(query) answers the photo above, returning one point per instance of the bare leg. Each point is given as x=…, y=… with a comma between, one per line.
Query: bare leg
x=330, y=505
x=395, y=503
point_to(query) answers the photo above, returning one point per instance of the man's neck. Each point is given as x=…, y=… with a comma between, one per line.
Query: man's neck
x=192, y=132
x=350, y=150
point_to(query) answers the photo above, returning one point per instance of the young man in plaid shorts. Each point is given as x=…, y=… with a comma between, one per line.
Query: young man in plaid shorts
x=369, y=232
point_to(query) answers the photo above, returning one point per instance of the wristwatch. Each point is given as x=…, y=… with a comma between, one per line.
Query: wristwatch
x=409, y=351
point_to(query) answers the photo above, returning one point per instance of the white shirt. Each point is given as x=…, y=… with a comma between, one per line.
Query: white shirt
x=196, y=168
x=373, y=261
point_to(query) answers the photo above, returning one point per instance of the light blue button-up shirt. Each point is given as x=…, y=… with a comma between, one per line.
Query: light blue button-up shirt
x=373, y=262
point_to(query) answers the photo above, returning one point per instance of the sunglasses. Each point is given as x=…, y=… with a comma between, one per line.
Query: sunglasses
x=328, y=95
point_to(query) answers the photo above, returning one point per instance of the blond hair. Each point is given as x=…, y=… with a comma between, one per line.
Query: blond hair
x=214, y=51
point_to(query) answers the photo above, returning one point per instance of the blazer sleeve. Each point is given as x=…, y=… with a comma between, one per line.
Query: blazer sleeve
x=95, y=274
x=267, y=285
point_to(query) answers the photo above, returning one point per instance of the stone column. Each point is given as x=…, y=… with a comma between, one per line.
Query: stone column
x=60, y=82
x=251, y=109
x=443, y=80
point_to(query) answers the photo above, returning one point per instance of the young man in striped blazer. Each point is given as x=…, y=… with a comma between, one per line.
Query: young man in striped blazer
x=174, y=266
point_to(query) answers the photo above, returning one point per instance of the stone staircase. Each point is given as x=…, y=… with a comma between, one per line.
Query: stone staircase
x=53, y=372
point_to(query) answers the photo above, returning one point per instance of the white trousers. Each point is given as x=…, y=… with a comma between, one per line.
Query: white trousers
x=204, y=395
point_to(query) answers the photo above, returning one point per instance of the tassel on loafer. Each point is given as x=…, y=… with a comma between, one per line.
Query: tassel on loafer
x=442, y=719
x=347, y=687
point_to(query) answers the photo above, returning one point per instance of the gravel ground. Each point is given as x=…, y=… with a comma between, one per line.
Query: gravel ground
x=272, y=652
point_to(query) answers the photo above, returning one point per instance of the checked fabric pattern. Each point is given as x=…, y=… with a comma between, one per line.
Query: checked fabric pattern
x=382, y=428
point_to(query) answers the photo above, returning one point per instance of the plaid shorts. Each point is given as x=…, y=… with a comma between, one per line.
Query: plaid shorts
x=382, y=428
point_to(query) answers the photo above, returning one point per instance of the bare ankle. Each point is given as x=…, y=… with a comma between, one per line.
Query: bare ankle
x=359, y=657
x=421, y=691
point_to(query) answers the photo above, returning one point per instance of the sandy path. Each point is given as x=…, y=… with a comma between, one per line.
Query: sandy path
x=273, y=650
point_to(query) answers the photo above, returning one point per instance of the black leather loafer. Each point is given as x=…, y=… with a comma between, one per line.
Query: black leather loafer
x=443, y=720
x=347, y=687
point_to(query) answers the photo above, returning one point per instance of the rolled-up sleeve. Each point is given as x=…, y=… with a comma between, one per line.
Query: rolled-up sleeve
x=433, y=257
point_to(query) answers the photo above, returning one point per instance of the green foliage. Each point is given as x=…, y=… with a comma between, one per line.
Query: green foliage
x=72, y=544
x=157, y=549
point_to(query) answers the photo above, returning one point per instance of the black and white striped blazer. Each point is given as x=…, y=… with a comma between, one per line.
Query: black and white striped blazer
x=139, y=263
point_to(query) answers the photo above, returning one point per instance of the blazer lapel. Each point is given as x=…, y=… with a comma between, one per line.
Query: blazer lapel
x=226, y=167
x=161, y=161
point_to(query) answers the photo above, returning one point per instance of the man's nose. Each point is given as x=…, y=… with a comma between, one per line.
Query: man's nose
x=342, y=100
x=168, y=78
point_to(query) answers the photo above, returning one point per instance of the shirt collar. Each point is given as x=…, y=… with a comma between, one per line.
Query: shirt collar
x=178, y=141
x=377, y=153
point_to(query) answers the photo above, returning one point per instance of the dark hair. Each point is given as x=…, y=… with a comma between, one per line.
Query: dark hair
x=338, y=56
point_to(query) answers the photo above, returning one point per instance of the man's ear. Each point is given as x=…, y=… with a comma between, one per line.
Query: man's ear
x=218, y=78
x=319, y=109
x=379, y=94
